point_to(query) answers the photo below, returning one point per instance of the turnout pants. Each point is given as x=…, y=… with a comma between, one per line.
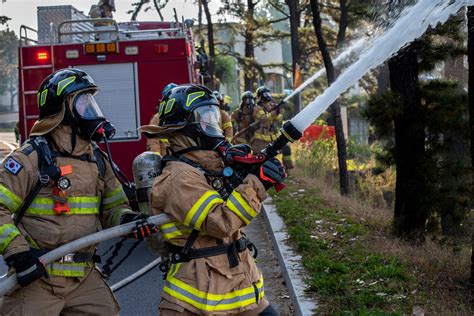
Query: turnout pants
x=62, y=296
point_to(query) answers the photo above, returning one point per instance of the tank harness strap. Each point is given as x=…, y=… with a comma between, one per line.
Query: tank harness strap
x=178, y=254
x=47, y=171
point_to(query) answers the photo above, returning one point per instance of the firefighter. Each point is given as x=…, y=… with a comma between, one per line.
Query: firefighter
x=159, y=145
x=210, y=269
x=270, y=122
x=56, y=188
x=226, y=122
x=243, y=117
x=267, y=129
x=103, y=9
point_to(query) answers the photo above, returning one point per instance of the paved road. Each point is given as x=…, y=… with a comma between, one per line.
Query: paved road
x=7, y=136
x=141, y=297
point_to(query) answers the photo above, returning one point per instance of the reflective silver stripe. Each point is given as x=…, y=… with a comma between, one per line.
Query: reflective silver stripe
x=49, y=205
x=114, y=198
x=7, y=233
x=65, y=267
x=201, y=208
x=27, y=271
x=240, y=208
x=210, y=302
x=4, y=199
x=169, y=230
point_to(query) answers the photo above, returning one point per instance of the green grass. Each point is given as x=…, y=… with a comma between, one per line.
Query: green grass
x=345, y=274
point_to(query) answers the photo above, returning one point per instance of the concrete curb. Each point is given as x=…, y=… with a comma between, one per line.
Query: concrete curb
x=289, y=260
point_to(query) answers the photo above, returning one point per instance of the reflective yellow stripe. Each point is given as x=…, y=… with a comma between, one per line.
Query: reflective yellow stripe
x=213, y=302
x=173, y=230
x=67, y=269
x=174, y=269
x=78, y=205
x=264, y=137
x=237, y=204
x=9, y=199
x=201, y=208
x=7, y=233
x=114, y=198
x=164, y=140
x=227, y=125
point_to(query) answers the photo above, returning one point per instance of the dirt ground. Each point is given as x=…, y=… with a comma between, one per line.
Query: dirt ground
x=275, y=288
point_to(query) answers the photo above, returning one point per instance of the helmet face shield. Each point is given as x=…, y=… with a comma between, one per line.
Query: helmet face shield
x=85, y=107
x=267, y=97
x=250, y=102
x=209, y=120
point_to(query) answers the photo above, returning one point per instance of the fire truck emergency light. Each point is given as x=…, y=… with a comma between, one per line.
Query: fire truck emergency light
x=42, y=55
x=161, y=48
x=101, y=48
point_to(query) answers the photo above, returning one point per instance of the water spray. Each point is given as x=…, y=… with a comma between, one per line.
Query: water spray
x=412, y=23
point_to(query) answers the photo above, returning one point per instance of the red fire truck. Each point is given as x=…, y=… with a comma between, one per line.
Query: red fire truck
x=130, y=62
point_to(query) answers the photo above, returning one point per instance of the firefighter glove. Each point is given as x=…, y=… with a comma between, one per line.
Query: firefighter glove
x=240, y=152
x=142, y=228
x=28, y=267
x=271, y=173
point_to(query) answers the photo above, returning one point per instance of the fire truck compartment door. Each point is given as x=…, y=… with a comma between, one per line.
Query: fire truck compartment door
x=118, y=96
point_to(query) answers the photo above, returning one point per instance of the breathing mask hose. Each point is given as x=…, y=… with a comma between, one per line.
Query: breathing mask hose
x=118, y=173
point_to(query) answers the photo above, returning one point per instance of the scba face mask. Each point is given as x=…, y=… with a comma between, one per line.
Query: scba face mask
x=91, y=122
x=205, y=127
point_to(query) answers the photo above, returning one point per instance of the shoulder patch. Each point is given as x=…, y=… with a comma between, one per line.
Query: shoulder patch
x=13, y=166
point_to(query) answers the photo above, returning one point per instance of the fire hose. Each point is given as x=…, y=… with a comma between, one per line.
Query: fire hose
x=9, y=283
x=135, y=276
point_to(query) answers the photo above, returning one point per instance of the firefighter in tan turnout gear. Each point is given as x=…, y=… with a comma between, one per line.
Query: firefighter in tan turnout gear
x=269, y=121
x=59, y=187
x=242, y=118
x=210, y=269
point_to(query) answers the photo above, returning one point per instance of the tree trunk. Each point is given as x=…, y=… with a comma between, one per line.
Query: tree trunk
x=210, y=41
x=410, y=216
x=158, y=9
x=343, y=23
x=138, y=8
x=249, y=75
x=295, y=17
x=470, y=27
x=335, y=107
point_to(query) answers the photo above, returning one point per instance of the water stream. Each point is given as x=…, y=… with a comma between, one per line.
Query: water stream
x=413, y=22
x=355, y=48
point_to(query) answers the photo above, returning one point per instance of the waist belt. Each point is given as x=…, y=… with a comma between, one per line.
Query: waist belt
x=78, y=257
x=178, y=255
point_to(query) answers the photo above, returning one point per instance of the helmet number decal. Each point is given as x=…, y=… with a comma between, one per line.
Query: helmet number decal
x=193, y=97
x=42, y=97
x=169, y=105
x=64, y=83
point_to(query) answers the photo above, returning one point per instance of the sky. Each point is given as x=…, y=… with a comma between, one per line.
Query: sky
x=24, y=11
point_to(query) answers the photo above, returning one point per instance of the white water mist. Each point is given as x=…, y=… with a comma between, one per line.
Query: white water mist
x=413, y=22
x=355, y=48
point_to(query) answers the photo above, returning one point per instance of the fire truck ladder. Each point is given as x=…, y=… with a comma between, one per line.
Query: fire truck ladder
x=110, y=26
x=25, y=41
